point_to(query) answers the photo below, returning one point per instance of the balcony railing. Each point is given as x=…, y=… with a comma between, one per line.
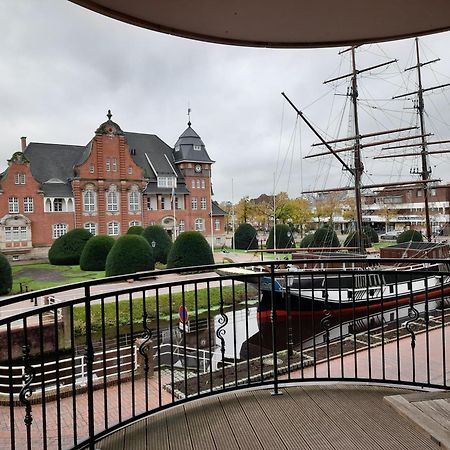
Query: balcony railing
x=116, y=350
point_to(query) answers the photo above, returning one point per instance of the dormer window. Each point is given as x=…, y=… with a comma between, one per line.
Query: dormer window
x=177, y=148
x=167, y=182
x=19, y=178
x=197, y=147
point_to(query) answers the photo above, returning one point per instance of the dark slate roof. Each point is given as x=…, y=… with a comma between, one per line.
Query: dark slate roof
x=184, y=148
x=57, y=188
x=152, y=188
x=49, y=161
x=143, y=146
x=217, y=210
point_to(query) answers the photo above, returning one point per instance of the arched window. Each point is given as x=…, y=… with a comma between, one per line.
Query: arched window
x=134, y=200
x=91, y=227
x=112, y=201
x=113, y=228
x=199, y=224
x=89, y=201
x=135, y=223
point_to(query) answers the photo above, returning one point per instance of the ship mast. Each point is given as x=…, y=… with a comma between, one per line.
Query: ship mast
x=425, y=171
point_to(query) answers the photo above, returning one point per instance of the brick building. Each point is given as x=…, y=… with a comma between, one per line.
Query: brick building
x=119, y=179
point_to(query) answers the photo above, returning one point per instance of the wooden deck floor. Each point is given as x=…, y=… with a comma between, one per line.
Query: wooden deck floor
x=309, y=417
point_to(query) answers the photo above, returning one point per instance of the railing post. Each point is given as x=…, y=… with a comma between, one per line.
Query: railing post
x=89, y=367
x=274, y=333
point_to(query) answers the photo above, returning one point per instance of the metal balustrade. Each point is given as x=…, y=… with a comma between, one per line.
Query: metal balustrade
x=73, y=371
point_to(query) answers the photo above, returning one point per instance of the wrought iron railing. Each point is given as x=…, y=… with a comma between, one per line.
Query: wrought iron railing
x=74, y=370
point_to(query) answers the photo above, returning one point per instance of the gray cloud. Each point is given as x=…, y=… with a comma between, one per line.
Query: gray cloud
x=63, y=67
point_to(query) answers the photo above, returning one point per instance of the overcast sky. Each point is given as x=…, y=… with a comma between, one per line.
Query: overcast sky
x=62, y=67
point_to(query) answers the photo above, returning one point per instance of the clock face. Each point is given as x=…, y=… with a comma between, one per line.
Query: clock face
x=198, y=168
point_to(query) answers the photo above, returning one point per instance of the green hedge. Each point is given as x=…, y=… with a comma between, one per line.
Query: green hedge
x=95, y=252
x=129, y=254
x=136, y=229
x=351, y=240
x=410, y=236
x=190, y=249
x=372, y=234
x=67, y=249
x=285, y=237
x=163, y=242
x=307, y=240
x=245, y=237
x=325, y=237
x=5, y=275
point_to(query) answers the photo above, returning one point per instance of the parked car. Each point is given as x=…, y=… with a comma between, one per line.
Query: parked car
x=390, y=235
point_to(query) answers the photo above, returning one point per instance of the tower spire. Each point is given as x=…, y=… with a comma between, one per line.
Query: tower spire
x=189, y=117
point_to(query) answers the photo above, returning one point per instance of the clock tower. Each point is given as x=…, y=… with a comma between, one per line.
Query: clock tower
x=193, y=161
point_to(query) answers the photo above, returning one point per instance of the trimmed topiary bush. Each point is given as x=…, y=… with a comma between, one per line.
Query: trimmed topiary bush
x=130, y=254
x=95, y=252
x=410, y=236
x=5, y=275
x=307, y=240
x=136, y=229
x=285, y=237
x=351, y=240
x=325, y=237
x=190, y=249
x=245, y=237
x=67, y=249
x=372, y=234
x=163, y=242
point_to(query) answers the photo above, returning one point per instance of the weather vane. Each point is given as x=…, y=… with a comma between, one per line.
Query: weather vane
x=189, y=116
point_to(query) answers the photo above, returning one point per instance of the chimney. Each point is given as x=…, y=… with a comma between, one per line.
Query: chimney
x=23, y=141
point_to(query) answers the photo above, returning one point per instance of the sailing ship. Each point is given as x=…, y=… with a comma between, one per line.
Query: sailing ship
x=379, y=287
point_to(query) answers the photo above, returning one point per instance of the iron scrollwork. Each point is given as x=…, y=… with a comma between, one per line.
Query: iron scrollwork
x=325, y=324
x=143, y=347
x=223, y=321
x=413, y=315
x=27, y=391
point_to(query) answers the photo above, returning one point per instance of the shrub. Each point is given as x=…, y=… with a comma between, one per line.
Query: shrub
x=95, y=252
x=325, y=237
x=129, y=254
x=245, y=237
x=163, y=242
x=5, y=275
x=190, y=249
x=410, y=236
x=285, y=237
x=373, y=235
x=67, y=249
x=307, y=240
x=136, y=229
x=351, y=240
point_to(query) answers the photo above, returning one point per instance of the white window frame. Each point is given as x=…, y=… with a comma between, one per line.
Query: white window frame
x=167, y=182
x=217, y=224
x=162, y=203
x=130, y=170
x=135, y=223
x=19, y=178
x=114, y=165
x=113, y=229
x=89, y=200
x=28, y=205
x=193, y=184
x=197, y=147
x=91, y=168
x=194, y=203
x=199, y=224
x=13, y=205
x=203, y=184
x=203, y=203
x=112, y=200
x=134, y=201
x=60, y=202
x=181, y=226
x=198, y=184
x=58, y=230
x=91, y=227
x=108, y=165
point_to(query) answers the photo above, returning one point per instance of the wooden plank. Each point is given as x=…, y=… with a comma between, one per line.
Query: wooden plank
x=177, y=429
x=199, y=430
x=355, y=409
x=301, y=423
x=308, y=408
x=113, y=442
x=157, y=435
x=347, y=424
x=268, y=436
x=239, y=423
x=408, y=410
x=372, y=400
x=442, y=406
x=136, y=436
x=221, y=431
x=422, y=396
x=433, y=413
x=272, y=407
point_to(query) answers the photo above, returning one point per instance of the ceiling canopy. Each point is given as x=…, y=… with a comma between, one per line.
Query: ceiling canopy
x=281, y=23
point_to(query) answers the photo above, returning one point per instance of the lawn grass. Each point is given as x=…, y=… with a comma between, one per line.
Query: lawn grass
x=48, y=275
x=166, y=308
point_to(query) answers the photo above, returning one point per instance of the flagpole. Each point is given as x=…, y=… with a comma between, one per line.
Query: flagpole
x=174, y=218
